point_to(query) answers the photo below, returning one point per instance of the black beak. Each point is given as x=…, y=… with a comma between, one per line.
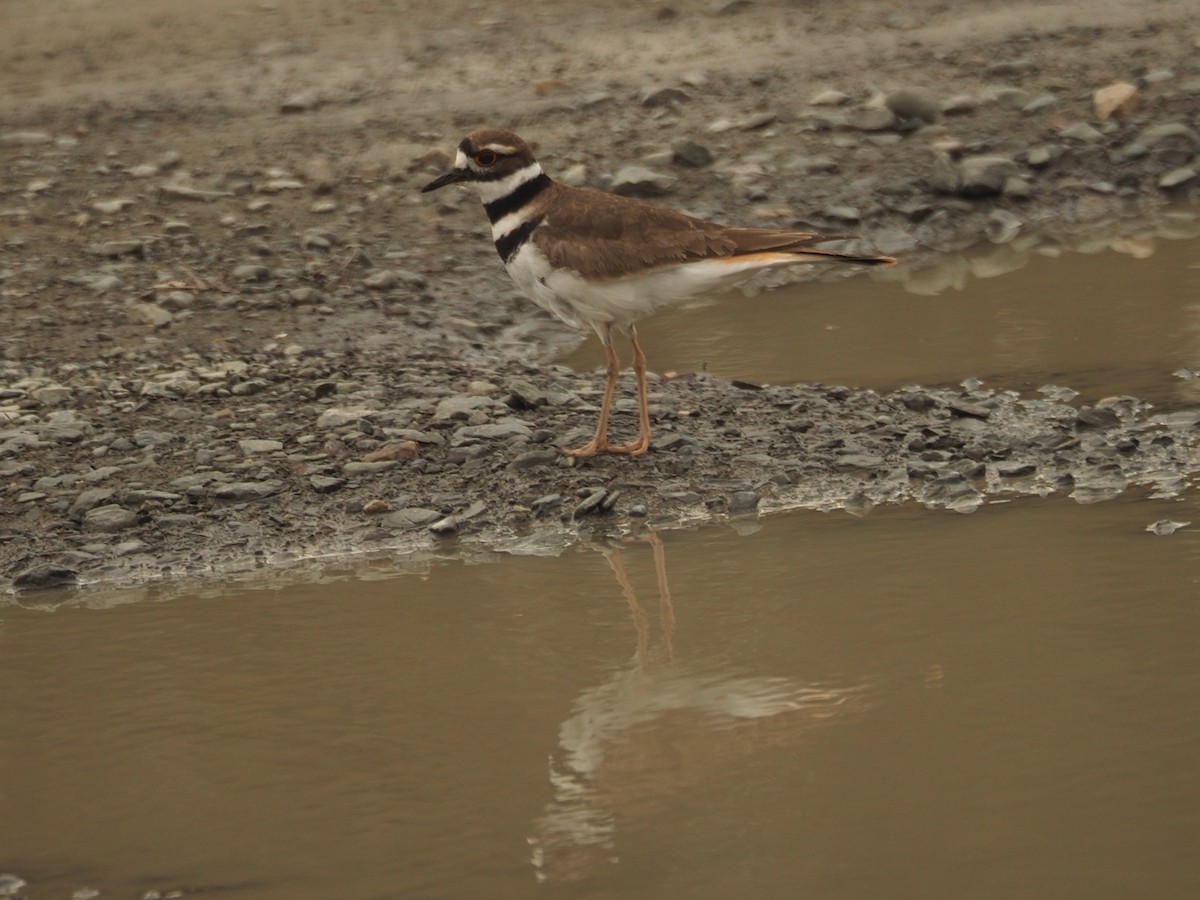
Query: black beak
x=449, y=178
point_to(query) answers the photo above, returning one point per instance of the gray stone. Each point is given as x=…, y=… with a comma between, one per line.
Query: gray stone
x=829, y=97
x=872, y=120
x=368, y=468
x=460, y=406
x=90, y=499
x=340, y=416
x=248, y=490
x=251, y=272
x=254, y=446
x=302, y=101
x=150, y=313
x=37, y=577
x=383, y=280
x=981, y=176
x=1083, y=132
x=640, y=181
x=589, y=504
x=326, y=484
x=109, y=518
x=913, y=104
x=1177, y=178
x=410, y=517
x=689, y=153
x=1040, y=103
x=662, y=95
x=496, y=431
x=743, y=502
x=117, y=249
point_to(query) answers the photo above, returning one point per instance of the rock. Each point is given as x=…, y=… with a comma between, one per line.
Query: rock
x=340, y=416
x=493, y=432
x=662, y=95
x=829, y=97
x=112, y=207
x=981, y=176
x=410, y=517
x=640, y=181
x=1165, y=527
x=460, y=406
x=302, y=101
x=544, y=505
x=944, y=177
x=383, y=280
x=1040, y=103
x=1119, y=99
x=248, y=490
x=1166, y=133
x=150, y=313
x=590, y=504
x=109, y=518
x=872, y=120
x=743, y=502
x=958, y=105
x=451, y=524
x=251, y=272
x=691, y=154
x=90, y=499
x=951, y=491
x=1002, y=226
x=39, y=576
x=1177, y=178
x=1083, y=132
x=326, y=484
x=117, y=249
x=913, y=104
x=255, y=446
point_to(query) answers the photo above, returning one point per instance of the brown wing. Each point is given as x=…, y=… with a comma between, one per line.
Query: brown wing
x=601, y=235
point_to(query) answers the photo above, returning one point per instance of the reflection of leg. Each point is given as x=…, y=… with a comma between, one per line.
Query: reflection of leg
x=600, y=441
x=642, y=444
x=640, y=622
x=666, y=606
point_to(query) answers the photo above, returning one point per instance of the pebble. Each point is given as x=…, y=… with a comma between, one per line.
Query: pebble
x=1119, y=99
x=248, y=490
x=640, y=181
x=829, y=97
x=1177, y=178
x=411, y=517
x=109, y=518
x=915, y=104
x=691, y=154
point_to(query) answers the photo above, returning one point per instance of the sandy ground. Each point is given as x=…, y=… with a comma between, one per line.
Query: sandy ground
x=304, y=128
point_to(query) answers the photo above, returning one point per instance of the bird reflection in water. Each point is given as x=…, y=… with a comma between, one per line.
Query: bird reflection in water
x=656, y=727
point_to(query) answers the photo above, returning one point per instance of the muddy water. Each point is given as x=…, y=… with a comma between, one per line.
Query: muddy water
x=909, y=704
x=1113, y=316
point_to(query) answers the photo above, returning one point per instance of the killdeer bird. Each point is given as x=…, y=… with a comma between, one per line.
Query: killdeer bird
x=601, y=260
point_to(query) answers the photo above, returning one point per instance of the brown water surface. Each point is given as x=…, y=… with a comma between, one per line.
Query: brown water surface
x=909, y=704
x=1114, y=317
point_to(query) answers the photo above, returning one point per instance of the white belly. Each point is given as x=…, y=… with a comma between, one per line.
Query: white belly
x=620, y=302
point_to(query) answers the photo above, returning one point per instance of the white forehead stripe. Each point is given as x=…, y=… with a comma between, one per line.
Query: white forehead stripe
x=460, y=160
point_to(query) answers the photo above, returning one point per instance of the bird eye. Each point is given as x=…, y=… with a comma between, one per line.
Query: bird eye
x=486, y=158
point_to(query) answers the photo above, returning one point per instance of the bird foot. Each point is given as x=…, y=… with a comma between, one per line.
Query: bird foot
x=594, y=446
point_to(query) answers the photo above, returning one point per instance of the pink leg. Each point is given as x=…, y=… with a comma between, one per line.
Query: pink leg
x=599, y=443
x=642, y=444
